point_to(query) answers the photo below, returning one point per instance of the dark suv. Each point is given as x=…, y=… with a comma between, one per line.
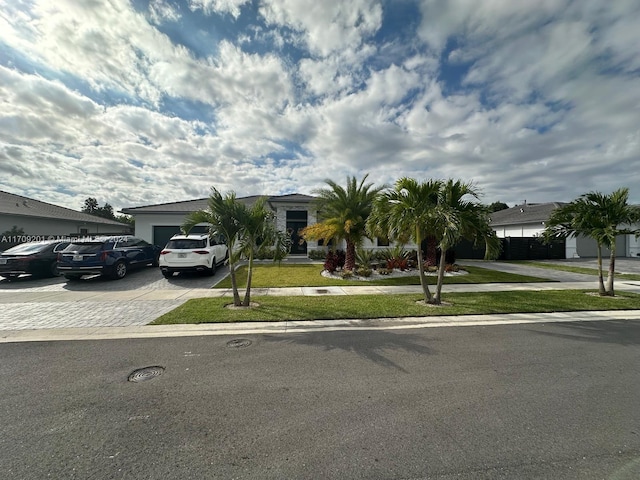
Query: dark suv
x=108, y=256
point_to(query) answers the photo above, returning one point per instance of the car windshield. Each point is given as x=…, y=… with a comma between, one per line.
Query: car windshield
x=186, y=244
x=26, y=249
x=84, y=247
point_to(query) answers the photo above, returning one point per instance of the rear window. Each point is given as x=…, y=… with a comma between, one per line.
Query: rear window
x=186, y=244
x=84, y=247
x=26, y=248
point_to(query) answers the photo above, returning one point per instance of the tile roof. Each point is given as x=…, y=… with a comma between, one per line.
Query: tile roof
x=522, y=214
x=12, y=204
x=189, y=206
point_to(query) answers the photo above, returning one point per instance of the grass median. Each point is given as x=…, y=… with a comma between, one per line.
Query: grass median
x=274, y=309
x=274, y=275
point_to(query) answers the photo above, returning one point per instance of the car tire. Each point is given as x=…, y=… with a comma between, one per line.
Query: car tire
x=119, y=270
x=166, y=273
x=156, y=262
x=211, y=271
x=73, y=278
x=53, y=270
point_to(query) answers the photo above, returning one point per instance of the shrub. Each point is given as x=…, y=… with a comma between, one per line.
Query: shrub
x=451, y=268
x=346, y=274
x=334, y=260
x=316, y=254
x=363, y=272
x=364, y=257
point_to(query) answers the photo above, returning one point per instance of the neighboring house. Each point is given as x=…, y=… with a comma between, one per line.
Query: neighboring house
x=522, y=225
x=157, y=223
x=43, y=220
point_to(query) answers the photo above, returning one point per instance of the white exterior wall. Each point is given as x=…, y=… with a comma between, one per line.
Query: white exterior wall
x=34, y=226
x=633, y=244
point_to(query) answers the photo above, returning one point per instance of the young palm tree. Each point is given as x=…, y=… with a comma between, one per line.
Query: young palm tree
x=601, y=217
x=257, y=229
x=223, y=216
x=460, y=216
x=407, y=213
x=344, y=213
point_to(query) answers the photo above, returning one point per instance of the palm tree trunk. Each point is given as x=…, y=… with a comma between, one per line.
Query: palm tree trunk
x=436, y=299
x=612, y=270
x=350, y=258
x=234, y=284
x=423, y=278
x=431, y=251
x=247, y=295
x=601, y=291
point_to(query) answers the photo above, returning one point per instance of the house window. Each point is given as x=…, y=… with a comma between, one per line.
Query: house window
x=382, y=242
x=84, y=231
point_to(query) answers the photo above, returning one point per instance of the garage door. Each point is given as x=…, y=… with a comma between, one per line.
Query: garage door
x=162, y=233
x=587, y=247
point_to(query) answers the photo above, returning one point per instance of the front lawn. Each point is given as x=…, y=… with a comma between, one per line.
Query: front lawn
x=274, y=309
x=273, y=275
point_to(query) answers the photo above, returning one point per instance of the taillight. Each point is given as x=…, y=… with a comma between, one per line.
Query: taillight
x=164, y=252
x=201, y=252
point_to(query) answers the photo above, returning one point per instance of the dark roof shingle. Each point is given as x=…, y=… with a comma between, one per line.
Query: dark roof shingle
x=522, y=214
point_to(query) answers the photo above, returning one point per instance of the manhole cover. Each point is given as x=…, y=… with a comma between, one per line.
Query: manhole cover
x=239, y=343
x=146, y=373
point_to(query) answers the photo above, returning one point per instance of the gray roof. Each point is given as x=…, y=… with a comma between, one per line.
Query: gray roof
x=12, y=204
x=522, y=214
x=189, y=206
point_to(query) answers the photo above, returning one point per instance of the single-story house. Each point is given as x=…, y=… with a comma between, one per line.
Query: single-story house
x=157, y=223
x=41, y=220
x=521, y=227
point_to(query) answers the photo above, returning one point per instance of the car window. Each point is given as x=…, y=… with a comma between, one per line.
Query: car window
x=125, y=242
x=138, y=242
x=26, y=248
x=84, y=247
x=61, y=246
x=186, y=244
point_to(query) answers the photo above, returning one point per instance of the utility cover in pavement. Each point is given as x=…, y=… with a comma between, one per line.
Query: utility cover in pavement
x=146, y=373
x=239, y=343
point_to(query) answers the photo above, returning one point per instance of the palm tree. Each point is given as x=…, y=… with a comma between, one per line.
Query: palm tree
x=224, y=218
x=258, y=229
x=601, y=217
x=437, y=209
x=407, y=213
x=343, y=213
x=459, y=215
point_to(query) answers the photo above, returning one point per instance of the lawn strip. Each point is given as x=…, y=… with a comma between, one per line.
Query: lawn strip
x=274, y=309
x=572, y=269
x=265, y=276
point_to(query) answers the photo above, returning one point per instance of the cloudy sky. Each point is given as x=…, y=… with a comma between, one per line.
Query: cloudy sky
x=142, y=102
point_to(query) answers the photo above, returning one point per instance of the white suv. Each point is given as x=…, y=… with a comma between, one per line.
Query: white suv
x=192, y=253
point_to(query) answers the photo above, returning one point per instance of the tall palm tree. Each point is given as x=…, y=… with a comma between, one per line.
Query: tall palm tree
x=459, y=215
x=598, y=216
x=344, y=212
x=223, y=214
x=404, y=213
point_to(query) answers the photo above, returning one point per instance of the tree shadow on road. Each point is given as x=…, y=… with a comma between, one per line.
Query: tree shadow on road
x=373, y=345
x=619, y=332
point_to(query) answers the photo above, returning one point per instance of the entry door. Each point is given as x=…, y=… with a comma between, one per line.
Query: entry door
x=296, y=221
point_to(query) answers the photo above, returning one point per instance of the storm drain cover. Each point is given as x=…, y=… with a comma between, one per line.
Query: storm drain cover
x=239, y=343
x=322, y=290
x=146, y=373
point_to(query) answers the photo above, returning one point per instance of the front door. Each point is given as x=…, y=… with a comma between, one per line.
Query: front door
x=296, y=221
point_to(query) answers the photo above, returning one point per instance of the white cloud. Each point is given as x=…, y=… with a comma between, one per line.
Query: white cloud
x=231, y=7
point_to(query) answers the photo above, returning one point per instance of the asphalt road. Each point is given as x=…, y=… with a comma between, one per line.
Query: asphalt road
x=522, y=401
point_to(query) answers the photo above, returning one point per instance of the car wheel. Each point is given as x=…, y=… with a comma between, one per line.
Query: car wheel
x=53, y=270
x=167, y=274
x=156, y=262
x=73, y=278
x=211, y=271
x=119, y=270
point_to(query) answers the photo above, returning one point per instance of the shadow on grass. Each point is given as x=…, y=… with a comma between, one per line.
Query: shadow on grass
x=372, y=345
x=618, y=332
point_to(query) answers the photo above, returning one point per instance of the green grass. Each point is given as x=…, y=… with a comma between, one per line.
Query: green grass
x=583, y=270
x=274, y=309
x=265, y=276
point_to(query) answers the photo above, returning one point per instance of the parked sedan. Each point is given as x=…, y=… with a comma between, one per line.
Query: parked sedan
x=108, y=256
x=192, y=253
x=32, y=258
